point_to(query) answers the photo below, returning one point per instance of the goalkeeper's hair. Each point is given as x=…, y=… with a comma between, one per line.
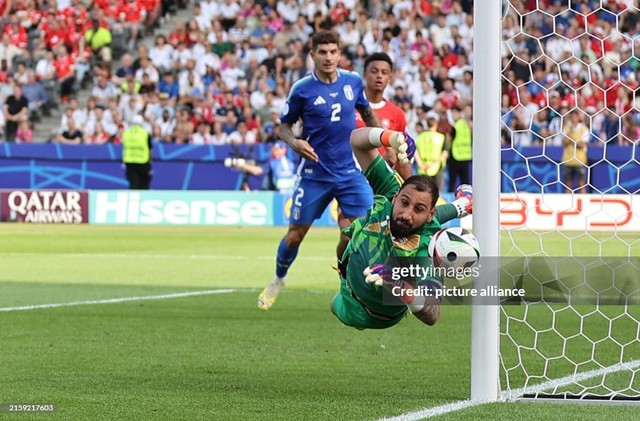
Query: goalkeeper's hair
x=423, y=183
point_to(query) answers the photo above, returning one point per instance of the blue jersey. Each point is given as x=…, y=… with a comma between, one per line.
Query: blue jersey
x=328, y=114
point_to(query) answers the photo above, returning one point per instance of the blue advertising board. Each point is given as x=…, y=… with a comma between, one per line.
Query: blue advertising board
x=611, y=169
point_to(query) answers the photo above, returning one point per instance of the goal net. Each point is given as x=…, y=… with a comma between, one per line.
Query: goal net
x=569, y=214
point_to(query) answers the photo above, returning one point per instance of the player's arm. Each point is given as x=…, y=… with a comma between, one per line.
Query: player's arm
x=366, y=141
x=300, y=146
x=369, y=116
x=461, y=206
x=241, y=164
x=430, y=312
x=291, y=113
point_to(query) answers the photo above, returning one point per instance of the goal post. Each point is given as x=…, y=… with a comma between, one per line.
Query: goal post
x=485, y=322
x=556, y=174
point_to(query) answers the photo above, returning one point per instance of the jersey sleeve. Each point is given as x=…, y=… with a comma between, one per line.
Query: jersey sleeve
x=383, y=179
x=293, y=107
x=361, y=97
x=446, y=212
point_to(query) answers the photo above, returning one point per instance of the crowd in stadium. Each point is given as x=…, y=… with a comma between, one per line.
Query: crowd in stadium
x=222, y=76
x=574, y=73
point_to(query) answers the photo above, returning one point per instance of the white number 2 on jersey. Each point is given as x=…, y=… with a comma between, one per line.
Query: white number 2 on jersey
x=335, y=113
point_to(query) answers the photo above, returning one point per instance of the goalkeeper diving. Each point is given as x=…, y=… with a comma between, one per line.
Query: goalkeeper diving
x=400, y=225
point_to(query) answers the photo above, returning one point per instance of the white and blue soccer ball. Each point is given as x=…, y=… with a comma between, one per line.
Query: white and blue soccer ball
x=454, y=248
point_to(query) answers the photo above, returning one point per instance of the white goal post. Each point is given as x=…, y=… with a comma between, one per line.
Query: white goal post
x=485, y=321
x=563, y=348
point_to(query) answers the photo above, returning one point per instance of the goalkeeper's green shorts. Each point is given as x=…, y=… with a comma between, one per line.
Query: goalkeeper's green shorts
x=350, y=311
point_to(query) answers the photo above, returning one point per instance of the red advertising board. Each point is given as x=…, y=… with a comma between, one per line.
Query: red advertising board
x=579, y=212
x=44, y=206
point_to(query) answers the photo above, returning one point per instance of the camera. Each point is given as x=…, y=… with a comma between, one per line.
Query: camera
x=238, y=158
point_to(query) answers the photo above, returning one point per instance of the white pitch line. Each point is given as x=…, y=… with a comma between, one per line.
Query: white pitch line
x=161, y=256
x=507, y=396
x=121, y=300
x=572, y=378
x=434, y=412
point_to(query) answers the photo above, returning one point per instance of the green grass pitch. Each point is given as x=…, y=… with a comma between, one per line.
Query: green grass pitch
x=218, y=356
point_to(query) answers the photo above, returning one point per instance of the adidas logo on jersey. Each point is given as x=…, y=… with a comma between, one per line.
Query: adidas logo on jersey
x=319, y=101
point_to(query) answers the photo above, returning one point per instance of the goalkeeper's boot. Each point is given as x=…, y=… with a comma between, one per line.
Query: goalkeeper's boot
x=464, y=200
x=269, y=295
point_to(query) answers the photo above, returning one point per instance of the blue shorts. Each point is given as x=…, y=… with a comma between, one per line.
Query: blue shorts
x=311, y=198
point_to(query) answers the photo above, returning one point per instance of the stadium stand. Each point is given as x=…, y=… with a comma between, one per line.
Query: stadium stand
x=223, y=62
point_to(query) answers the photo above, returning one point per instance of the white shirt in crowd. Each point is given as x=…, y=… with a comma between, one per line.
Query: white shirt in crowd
x=161, y=56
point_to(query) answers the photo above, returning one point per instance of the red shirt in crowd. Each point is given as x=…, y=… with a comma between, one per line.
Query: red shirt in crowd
x=132, y=11
x=17, y=35
x=64, y=66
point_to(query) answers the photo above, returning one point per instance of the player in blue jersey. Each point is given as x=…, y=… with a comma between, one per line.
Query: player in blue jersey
x=326, y=101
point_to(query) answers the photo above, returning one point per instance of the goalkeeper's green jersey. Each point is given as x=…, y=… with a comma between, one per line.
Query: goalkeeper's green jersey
x=372, y=242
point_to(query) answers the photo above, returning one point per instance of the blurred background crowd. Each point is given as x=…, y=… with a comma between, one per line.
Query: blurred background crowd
x=221, y=75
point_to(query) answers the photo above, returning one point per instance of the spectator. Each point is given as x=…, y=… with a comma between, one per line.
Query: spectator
x=82, y=115
x=134, y=20
x=202, y=136
x=36, y=96
x=232, y=73
x=98, y=38
x=191, y=89
x=65, y=73
x=431, y=155
x=459, y=163
x=104, y=90
x=181, y=54
x=9, y=51
x=143, y=53
x=449, y=96
x=184, y=127
x=99, y=137
x=166, y=124
x=25, y=133
x=16, y=109
x=125, y=70
x=218, y=137
x=20, y=74
x=161, y=54
x=71, y=136
x=229, y=11
x=146, y=67
x=242, y=135
x=203, y=19
x=574, y=156
x=16, y=32
x=170, y=87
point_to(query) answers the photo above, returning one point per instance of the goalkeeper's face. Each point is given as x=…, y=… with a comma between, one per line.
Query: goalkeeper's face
x=411, y=210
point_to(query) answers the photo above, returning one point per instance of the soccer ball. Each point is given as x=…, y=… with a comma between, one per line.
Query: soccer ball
x=454, y=248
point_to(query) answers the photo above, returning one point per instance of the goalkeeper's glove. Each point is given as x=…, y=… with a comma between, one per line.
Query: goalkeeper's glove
x=405, y=147
x=377, y=274
x=381, y=275
x=402, y=143
x=464, y=200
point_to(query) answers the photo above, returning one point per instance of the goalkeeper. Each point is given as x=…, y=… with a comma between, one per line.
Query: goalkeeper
x=400, y=225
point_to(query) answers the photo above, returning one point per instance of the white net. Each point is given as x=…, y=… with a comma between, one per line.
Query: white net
x=570, y=169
